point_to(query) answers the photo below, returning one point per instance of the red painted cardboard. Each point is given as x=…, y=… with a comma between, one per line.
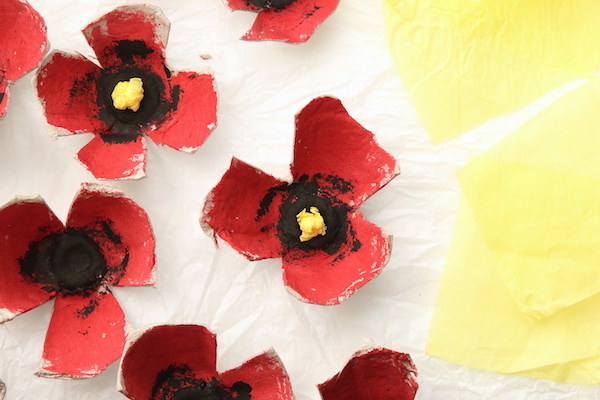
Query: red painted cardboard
x=22, y=221
x=161, y=360
x=294, y=23
x=87, y=329
x=318, y=277
x=255, y=224
x=22, y=43
x=178, y=109
x=376, y=374
x=85, y=336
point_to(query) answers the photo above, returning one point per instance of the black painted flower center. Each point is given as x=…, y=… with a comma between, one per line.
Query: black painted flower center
x=126, y=124
x=303, y=196
x=271, y=3
x=70, y=261
x=214, y=391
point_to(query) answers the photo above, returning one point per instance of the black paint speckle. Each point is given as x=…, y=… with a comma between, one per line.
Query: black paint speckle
x=266, y=4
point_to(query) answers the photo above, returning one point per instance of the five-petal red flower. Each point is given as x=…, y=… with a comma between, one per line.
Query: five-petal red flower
x=374, y=374
x=107, y=240
x=22, y=44
x=292, y=21
x=337, y=165
x=178, y=109
x=177, y=362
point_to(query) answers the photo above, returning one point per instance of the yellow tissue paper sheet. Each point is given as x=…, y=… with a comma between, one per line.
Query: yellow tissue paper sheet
x=466, y=61
x=477, y=323
x=521, y=288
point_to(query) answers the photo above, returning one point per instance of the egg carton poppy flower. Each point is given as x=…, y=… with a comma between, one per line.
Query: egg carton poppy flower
x=328, y=249
x=107, y=240
x=131, y=93
x=374, y=374
x=292, y=21
x=178, y=362
x=22, y=44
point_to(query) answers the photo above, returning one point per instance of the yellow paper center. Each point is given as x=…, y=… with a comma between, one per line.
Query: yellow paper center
x=311, y=224
x=128, y=94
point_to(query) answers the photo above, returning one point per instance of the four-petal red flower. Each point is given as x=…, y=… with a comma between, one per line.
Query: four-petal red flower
x=176, y=362
x=285, y=20
x=22, y=44
x=178, y=109
x=107, y=240
x=337, y=165
x=374, y=374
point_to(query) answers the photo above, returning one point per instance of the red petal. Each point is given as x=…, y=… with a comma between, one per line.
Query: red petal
x=323, y=126
x=114, y=160
x=66, y=85
x=294, y=23
x=242, y=5
x=22, y=38
x=4, y=96
x=248, y=222
x=265, y=374
x=133, y=34
x=86, y=334
x=194, y=115
x=22, y=221
x=378, y=374
x=163, y=346
x=321, y=278
x=124, y=233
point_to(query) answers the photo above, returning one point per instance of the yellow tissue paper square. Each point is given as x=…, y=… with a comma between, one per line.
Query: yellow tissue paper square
x=520, y=292
x=466, y=61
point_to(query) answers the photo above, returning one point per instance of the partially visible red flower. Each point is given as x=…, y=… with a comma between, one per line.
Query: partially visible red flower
x=292, y=21
x=178, y=362
x=178, y=108
x=107, y=240
x=337, y=165
x=22, y=44
x=375, y=374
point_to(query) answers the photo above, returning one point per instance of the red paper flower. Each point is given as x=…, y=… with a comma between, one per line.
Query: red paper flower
x=292, y=21
x=178, y=362
x=178, y=109
x=22, y=44
x=107, y=240
x=375, y=374
x=337, y=165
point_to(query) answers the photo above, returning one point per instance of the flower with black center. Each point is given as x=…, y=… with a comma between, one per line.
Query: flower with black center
x=337, y=165
x=131, y=93
x=22, y=44
x=373, y=374
x=292, y=21
x=107, y=240
x=178, y=362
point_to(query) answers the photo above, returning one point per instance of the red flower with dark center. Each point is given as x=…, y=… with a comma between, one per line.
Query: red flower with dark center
x=178, y=362
x=337, y=166
x=178, y=109
x=22, y=44
x=375, y=374
x=107, y=240
x=292, y=21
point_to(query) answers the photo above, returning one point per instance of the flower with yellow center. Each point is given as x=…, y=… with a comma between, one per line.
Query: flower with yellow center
x=311, y=224
x=128, y=94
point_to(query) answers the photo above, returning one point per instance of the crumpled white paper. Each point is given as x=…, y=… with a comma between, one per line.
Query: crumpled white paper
x=261, y=87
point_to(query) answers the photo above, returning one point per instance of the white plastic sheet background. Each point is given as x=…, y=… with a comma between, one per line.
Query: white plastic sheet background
x=261, y=86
